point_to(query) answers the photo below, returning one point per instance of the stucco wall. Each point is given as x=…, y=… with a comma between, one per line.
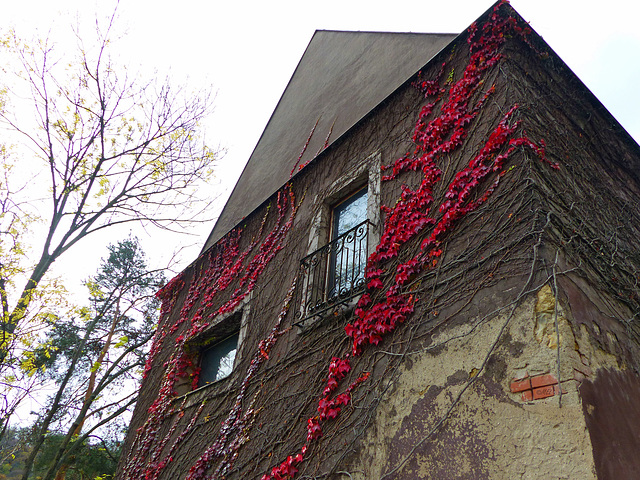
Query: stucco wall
x=488, y=430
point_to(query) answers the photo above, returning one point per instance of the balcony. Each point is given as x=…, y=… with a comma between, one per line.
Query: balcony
x=332, y=276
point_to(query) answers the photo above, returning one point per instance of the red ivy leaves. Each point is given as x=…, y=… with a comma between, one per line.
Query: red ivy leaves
x=338, y=369
x=411, y=214
x=232, y=433
x=380, y=319
x=410, y=217
x=286, y=469
x=327, y=409
x=226, y=263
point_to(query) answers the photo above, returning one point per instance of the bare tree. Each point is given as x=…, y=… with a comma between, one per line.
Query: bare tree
x=116, y=150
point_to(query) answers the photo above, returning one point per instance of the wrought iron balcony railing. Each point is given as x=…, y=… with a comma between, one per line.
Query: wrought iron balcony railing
x=332, y=275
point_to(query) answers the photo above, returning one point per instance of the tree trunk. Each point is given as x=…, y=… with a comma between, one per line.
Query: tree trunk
x=62, y=471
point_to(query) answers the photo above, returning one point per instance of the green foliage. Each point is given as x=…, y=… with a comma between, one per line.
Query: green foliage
x=91, y=460
x=123, y=303
x=94, y=358
x=14, y=450
x=94, y=459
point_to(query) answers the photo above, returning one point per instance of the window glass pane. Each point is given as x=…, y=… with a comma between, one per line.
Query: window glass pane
x=349, y=247
x=216, y=362
x=350, y=213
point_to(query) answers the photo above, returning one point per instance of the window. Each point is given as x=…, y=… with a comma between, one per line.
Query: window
x=342, y=234
x=349, y=245
x=216, y=362
x=217, y=349
x=334, y=274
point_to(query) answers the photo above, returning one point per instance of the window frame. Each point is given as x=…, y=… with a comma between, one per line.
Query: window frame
x=334, y=235
x=366, y=173
x=222, y=327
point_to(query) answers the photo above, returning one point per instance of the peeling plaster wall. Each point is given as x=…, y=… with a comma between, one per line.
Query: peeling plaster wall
x=610, y=396
x=492, y=432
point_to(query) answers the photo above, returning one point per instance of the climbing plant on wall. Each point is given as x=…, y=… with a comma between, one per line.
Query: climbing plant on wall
x=387, y=303
x=415, y=230
x=227, y=265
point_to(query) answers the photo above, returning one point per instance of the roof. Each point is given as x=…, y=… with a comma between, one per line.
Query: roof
x=326, y=88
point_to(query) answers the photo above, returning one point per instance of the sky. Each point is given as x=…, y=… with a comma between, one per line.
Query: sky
x=247, y=51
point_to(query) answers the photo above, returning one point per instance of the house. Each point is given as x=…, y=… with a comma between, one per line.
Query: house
x=428, y=269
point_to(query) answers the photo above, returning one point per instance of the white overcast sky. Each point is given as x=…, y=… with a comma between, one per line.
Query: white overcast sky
x=247, y=50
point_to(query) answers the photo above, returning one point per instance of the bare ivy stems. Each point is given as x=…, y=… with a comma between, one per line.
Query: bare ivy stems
x=473, y=205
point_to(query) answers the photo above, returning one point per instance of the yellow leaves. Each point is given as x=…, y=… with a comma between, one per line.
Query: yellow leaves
x=122, y=342
x=3, y=96
x=105, y=187
x=6, y=339
x=84, y=314
x=95, y=367
x=28, y=364
x=15, y=222
x=6, y=40
x=94, y=289
x=450, y=77
x=61, y=125
x=158, y=168
x=180, y=134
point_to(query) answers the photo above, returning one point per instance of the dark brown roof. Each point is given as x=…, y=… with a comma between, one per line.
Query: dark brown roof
x=327, y=86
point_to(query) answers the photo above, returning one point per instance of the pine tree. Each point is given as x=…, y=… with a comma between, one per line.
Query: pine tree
x=95, y=359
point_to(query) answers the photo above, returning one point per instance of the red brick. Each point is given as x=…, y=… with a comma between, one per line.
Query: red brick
x=543, y=381
x=521, y=385
x=544, y=392
x=527, y=396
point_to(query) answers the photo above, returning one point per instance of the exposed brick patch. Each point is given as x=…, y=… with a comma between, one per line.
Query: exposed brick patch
x=544, y=392
x=536, y=387
x=521, y=385
x=527, y=396
x=543, y=381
